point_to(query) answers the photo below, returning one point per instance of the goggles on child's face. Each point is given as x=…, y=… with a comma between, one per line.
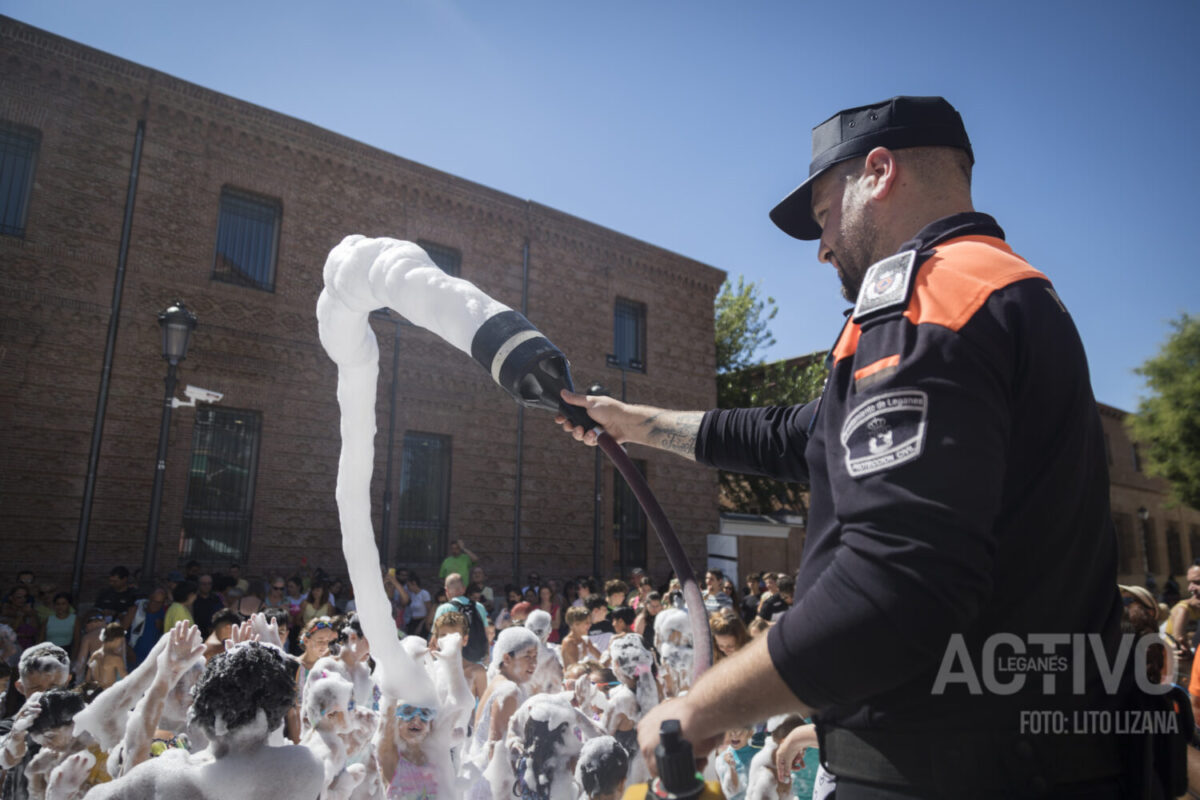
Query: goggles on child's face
x=408, y=712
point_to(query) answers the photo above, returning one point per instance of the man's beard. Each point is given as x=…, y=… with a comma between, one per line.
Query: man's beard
x=856, y=254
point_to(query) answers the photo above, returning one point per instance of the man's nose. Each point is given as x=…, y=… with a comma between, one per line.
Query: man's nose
x=824, y=251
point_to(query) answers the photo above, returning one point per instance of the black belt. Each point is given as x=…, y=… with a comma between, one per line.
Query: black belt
x=961, y=763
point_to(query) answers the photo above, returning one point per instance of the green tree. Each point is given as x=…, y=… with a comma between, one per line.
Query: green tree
x=1167, y=423
x=743, y=380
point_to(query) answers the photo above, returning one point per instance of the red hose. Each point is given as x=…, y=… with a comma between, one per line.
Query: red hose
x=701, y=640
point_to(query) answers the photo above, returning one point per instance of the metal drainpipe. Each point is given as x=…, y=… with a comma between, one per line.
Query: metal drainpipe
x=516, y=559
x=89, y=487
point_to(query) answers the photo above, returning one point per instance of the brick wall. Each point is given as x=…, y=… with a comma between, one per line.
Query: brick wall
x=261, y=349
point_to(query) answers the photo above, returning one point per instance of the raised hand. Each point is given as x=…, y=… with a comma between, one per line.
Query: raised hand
x=68, y=776
x=241, y=633
x=183, y=648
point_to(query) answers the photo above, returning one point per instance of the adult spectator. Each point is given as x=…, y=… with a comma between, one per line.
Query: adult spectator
x=614, y=593
x=206, y=604
x=235, y=572
x=456, y=590
x=729, y=632
x=42, y=667
x=223, y=623
x=17, y=613
x=644, y=624
x=600, y=631
x=749, y=604
x=475, y=613
x=59, y=627
x=184, y=598
x=460, y=560
x=294, y=601
x=714, y=594
x=395, y=584
x=774, y=605
x=532, y=581
x=1186, y=612
x=956, y=434
x=276, y=593
x=416, y=613
x=550, y=604
x=587, y=588
x=173, y=579
x=145, y=622
x=116, y=598
x=489, y=595
x=316, y=604
x=191, y=571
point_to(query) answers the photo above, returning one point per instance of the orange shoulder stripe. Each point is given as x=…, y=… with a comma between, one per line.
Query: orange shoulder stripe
x=960, y=276
x=876, y=366
x=847, y=342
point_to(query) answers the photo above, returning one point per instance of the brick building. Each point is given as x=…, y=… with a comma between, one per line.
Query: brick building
x=1155, y=536
x=234, y=211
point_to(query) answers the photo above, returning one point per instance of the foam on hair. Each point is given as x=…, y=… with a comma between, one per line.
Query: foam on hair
x=42, y=659
x=239, y=683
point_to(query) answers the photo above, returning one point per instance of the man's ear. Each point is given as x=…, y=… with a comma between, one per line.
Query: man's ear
x=880, y=168
x=20, y=687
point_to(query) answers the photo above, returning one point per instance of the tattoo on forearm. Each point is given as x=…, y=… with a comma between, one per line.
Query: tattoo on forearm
x=674, y=431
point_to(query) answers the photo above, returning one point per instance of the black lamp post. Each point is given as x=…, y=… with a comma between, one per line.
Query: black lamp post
x=177, y=324
x=1143, y=516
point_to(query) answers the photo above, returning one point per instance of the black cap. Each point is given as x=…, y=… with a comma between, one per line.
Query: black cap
x=897, y=123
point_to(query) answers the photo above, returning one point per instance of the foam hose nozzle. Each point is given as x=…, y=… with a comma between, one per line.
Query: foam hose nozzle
x=527, y=365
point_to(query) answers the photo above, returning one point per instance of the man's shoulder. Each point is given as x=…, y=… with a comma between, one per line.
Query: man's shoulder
x=960, y=276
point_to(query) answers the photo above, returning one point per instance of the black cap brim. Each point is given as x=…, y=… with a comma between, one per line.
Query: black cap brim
x=794, y=216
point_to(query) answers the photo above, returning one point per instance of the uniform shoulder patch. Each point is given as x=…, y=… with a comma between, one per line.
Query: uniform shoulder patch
x=886, y=284
x=885, y=431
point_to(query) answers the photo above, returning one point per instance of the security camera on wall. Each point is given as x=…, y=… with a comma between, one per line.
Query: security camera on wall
x=196, y=395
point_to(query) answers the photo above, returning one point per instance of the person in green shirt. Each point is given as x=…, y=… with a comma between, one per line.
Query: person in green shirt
x=184, y=595
x=460, y=560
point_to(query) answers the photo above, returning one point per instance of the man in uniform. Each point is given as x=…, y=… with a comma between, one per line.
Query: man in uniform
x=959, y=494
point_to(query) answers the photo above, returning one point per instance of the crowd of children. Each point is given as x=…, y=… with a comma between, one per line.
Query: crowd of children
x=547, y=708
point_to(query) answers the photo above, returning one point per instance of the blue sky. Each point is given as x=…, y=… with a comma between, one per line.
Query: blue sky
x=682, y=123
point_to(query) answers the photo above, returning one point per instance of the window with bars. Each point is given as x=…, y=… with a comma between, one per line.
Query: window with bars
x=247, y=239
x=448, y=259
x=220, y=489
x=629, y=522
x=18, y=156
x=1129, y=555
x=1136, y=457
x=424, y=504
x=629, y=334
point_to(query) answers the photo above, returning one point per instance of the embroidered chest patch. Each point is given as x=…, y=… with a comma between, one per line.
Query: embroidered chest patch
x=886, y=284
x=884, y=432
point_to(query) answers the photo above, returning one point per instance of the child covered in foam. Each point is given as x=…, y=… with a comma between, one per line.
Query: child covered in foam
x=673, y=640
x=549, y=675
x=636, y=694
x=544, y=741
x=328, y=708
x=514, y=661
x=240, y=699
x=601, y=769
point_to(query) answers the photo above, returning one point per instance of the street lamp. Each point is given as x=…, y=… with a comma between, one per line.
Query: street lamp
x=177, y=324
x=1143, y=515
